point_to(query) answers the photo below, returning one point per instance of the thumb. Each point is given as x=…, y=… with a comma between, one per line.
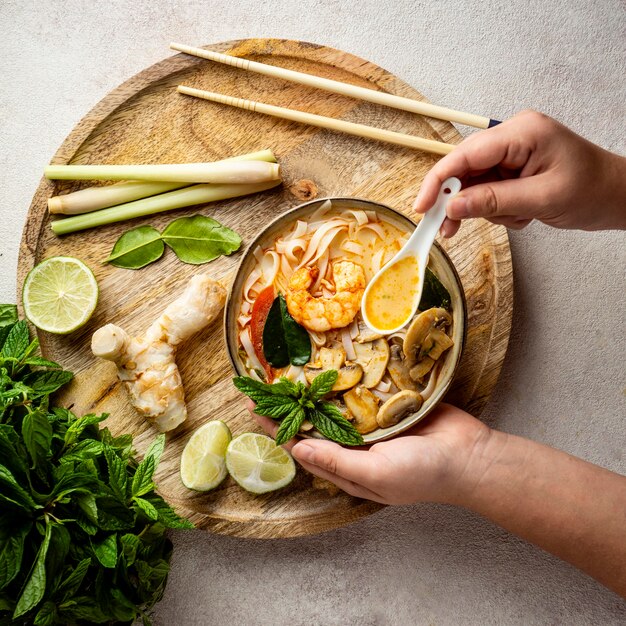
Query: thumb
x=354, y=471
x=505, y=198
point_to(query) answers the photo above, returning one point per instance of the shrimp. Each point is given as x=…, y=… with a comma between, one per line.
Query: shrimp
x=322, y=314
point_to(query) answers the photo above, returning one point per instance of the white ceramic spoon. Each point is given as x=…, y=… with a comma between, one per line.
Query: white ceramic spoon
x=418, y=248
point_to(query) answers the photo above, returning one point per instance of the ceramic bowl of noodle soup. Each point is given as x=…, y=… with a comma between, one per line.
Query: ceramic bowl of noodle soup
x=319, y=256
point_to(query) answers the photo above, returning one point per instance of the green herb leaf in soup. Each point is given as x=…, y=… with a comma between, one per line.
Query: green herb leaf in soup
x=200, y=239
x=284, y=340
x=274, y=342
x=137, y=248
x=296, y=336
x=434, y=295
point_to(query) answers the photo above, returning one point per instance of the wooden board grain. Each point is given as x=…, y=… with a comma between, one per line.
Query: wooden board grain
x=146, y=121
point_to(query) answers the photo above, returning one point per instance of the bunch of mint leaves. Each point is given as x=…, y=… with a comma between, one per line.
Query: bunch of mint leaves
x=82, y=531
x=292, y=403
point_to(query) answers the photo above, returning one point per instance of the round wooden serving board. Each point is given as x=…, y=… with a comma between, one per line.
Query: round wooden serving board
x=146, y=121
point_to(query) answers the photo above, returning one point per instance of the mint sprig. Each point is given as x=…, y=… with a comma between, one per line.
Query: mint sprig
x=82, y=530
x=292, y=403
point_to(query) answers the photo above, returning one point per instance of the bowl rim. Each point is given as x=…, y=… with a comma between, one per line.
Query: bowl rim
x=440, y=393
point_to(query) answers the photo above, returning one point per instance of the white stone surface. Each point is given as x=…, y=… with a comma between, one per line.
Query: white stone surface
x=564, y=379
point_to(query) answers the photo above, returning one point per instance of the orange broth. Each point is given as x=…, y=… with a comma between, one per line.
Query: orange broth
x=390, y=299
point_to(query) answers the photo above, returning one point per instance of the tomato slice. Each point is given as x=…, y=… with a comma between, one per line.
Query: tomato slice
x=260, y=309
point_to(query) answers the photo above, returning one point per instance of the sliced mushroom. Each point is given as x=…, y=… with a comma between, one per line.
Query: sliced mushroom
x=419, y=370
x=332, y=358
x=399, y=406
x=366, y=334
x=441, y=343
x=425, y=341
x=363, y=405
x=373, y=358
x=398, y=369
x=348, y=376
x=416, y=343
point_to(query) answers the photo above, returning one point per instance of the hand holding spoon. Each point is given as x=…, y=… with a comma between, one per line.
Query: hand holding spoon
x=393, y=295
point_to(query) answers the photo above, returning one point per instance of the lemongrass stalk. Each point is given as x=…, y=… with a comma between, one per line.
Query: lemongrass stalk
x=196, y=194
x=237, y=172
x=94, y=198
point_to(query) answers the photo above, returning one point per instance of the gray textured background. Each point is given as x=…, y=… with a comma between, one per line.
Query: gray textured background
x=564, y=379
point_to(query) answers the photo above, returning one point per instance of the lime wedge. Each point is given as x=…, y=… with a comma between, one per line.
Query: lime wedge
x=60, y=294
x=202, y=465
x=258, y=464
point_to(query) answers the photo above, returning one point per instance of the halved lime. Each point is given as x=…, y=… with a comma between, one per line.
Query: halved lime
x=202, y=465
x=258, y=464
x=60, y=294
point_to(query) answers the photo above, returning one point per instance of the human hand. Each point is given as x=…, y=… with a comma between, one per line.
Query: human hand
x=530, y=167
x=436, y=461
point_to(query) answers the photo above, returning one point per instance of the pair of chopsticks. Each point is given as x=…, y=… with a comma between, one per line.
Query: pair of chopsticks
x=361, y=93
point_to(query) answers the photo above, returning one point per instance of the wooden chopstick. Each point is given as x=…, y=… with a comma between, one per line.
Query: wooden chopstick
x=360, y=130
x=361, y=93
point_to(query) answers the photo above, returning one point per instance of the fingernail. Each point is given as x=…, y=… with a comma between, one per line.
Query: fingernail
x=458, y=208
x=303, y=452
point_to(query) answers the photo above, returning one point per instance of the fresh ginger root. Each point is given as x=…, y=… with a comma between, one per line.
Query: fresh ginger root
x=146, y=363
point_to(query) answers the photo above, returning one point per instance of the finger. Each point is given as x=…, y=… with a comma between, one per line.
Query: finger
x=505, y=198
x=500, y=145
x=512, y=223
x=359, y=466
x=350, y=487
x=268, y=425
x=449, y=228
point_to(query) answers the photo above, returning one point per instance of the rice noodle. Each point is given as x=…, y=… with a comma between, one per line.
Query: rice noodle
x=352, y=230
x=384, y=386
x=323, y=266
x=289, y=248
x=321, y=240
x=348, y=346
x=252, y=373
x=388, y=255
x=285, y=267
x=242, y=320
x=382, y=395
x=377, y=260
x=359, y=215
x=281, y=284
x=319, y=339
x=299, y=231
x=258, y=254
x=372, y=216
x=270, y=266
x=294, y=372
x=432, y=381
x=353, y=247
x=255, y=274
x=375, y=227
x=246, y=342
x=246, y=307
x=322, y=210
